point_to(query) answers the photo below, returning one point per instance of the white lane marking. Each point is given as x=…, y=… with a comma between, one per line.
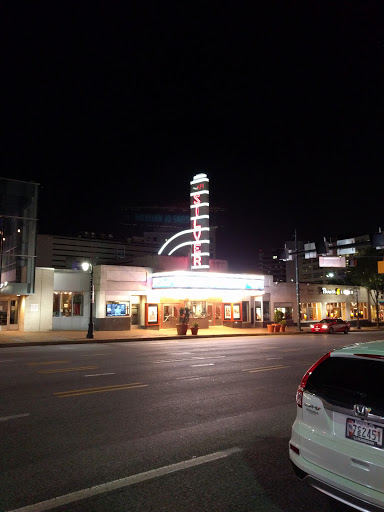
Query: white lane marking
x=6, y=418
x=192, y=378
x=91, y=355
x=187, y=359
x=176, y=360
x=99, y=374
x=206, y=364
x=7, y=360
x=125, y=482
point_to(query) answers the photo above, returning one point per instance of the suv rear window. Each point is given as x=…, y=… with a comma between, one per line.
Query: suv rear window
x=345, y=382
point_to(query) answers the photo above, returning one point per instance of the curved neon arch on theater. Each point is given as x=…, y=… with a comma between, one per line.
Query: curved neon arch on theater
x=180, y=234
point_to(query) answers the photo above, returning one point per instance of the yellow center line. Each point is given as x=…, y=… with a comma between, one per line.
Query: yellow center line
x=86, y=391
x=47, y=362
x=264, y=368
x=62, y=370
x=268, y=369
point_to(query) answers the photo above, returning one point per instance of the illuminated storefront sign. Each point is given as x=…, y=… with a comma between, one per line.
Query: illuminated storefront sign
x=335, y=291
x=207, y=281
x=199, y=204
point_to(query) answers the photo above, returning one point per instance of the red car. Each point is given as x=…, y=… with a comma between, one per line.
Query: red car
x=331, y=325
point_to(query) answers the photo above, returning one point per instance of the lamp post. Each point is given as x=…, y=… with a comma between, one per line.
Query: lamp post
x=357, y=307
x=86, y=266
x=297, y=284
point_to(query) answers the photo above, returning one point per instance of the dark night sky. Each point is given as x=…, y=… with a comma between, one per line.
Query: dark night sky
x=121, y=103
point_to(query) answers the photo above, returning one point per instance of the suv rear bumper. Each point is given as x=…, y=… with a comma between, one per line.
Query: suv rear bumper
x=336, y=487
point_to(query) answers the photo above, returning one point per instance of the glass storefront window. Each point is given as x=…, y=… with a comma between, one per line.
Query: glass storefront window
x=198, y=309
x=245, y=311
x=77, y=304
x=266, y=317
x=286, y=311
x=374, y=315
x=14, y=316
x=362, y=308
x=257, y=311
x=336, y=310
x=310, y=311
x=56, y=304
x=68, y=304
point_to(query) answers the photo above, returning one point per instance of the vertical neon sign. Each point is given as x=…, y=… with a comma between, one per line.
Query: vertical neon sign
x=199, y=204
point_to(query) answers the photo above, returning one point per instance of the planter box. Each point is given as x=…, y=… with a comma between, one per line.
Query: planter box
x=182, y=329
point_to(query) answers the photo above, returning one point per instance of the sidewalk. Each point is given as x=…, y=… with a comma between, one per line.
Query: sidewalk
x=19, y=338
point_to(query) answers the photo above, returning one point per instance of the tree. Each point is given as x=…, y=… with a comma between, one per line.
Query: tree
x=366, y=274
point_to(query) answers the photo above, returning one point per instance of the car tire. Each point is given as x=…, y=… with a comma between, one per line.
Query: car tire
x=346, y=330
x=330, y=330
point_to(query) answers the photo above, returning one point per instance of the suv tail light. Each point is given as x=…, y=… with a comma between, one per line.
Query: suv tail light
x=301, y=388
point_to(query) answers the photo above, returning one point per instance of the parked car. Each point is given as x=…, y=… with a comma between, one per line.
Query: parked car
x=331, y=325
x=337, y=438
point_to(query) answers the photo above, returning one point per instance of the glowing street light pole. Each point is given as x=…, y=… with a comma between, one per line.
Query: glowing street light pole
x=297, y=284
x=357, y=308
x=86, y=266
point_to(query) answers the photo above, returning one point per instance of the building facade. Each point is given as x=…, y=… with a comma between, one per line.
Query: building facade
x=126, y=297
x=18, y=228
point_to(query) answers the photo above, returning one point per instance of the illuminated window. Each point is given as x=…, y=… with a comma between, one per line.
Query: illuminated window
x=363, y=310
x=67, y=304
x=258, y=311
x=198, y=308
x=310, y=311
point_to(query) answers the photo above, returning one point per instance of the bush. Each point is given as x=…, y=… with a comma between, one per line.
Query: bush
x=184, y=315
x=278, y=316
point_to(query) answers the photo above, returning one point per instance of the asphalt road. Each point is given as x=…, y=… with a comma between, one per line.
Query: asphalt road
x=174, y=426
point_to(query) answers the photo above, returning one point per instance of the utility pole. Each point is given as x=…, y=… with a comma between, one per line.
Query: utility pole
x=297, y=283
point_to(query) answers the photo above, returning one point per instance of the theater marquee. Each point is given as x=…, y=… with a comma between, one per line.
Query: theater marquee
x=207, y=280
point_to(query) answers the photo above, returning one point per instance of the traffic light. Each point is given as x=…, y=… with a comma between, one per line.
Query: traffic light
x=283, y=254
x=322, y=247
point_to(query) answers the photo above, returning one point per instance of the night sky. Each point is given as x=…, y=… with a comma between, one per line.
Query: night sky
x=110, y=104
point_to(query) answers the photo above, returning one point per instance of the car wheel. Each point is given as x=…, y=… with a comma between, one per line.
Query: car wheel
x=346, y=330
x=330, y=330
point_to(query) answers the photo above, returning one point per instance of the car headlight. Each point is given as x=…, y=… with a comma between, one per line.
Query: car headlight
x=325, y=326
x=312, y=326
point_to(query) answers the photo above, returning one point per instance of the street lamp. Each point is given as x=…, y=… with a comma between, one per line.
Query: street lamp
x=357, y=307
x=297, y=284
x=88, y=266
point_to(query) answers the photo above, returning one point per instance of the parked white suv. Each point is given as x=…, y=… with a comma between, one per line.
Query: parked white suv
x=337, y=437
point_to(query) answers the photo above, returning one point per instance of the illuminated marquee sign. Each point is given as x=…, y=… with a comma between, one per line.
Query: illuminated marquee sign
x=207, y=280
x=199, y=203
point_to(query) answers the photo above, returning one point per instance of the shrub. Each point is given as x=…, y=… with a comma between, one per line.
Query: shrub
x=278, y=316
x=184, y=315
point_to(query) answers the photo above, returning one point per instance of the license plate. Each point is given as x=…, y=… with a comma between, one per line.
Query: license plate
x=364, y=432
